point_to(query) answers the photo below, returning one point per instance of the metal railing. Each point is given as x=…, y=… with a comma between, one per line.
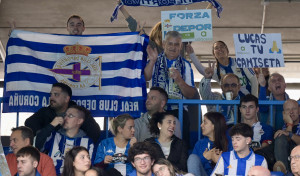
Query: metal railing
x=217, y=103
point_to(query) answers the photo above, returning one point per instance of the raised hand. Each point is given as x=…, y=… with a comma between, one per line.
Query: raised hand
x=152, y=53
x=209, y=71
x=261, y=79
x=189, y=49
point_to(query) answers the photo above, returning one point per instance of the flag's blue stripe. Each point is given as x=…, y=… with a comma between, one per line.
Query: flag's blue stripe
x=58, y=48
x=33, y=77
x=124, y=64
x=17, y=58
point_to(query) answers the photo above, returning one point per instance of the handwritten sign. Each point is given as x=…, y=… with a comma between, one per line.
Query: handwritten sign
x=193, y=25
x=258, y=50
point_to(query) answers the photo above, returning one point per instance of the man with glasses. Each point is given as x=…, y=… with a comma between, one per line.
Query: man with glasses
x=142, y=156
x=230, y=85
x=295, y=161
x=57, y=143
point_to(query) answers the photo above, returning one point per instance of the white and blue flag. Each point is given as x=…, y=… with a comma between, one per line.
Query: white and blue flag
x=105, y=71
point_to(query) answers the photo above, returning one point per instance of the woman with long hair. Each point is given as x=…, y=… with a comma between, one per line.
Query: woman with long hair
x=167, y=145
x=226, y=64
x=208, y=149
x=77, y=162
x=112, y=152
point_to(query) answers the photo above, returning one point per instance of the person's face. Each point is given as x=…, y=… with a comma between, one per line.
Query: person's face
x=26, y=166
x=58, y=99
x=143, y=163
x=17, y=142
x=91, y=172
x=75, y=26
x=292, y=109
x=128, y=131
x=277, y=85
x=154, y=102
x=82, y=161
x=167, y=128
x=207, y=127
x=172, y=47
x=231, y=84
x=295, y=161
x=249, y=110
x=161, y=170
x=220, y=51
x=72, y=119
x=240, y=143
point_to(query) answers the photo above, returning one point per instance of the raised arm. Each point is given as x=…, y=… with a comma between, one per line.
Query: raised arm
x=152, y=55
x=196, y=62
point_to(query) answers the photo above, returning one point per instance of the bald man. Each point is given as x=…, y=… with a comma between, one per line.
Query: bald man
x=295, y=161
x=287, y=138
x=259, y=171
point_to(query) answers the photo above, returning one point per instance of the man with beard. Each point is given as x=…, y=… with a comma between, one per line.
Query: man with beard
x=51, y=117
x=75, y=25
x=57, y=143
x=157, y=98
x=277, y=87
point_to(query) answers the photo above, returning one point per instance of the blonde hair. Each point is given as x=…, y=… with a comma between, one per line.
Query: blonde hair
x=156, y=34
x=119, y=121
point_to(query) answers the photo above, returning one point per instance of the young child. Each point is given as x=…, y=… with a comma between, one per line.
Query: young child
x=241, y=158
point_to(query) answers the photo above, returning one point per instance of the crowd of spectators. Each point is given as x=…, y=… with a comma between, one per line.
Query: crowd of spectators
x=68, y=138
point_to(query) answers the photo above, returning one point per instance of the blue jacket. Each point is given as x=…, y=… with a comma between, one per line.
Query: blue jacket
x=108, y=147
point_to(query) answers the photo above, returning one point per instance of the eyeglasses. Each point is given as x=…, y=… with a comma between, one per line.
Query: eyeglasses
x=233, y=85
x=161, y=169
x=296, y=158
x=139, y=160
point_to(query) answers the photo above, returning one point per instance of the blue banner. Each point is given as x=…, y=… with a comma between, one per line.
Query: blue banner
x=105, y=71
x=159, y=3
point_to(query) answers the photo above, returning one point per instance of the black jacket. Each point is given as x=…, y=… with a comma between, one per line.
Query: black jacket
x=178, y=152
x=44, y=117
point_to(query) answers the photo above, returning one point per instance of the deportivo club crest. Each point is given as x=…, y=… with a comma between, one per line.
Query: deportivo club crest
x=77, y=69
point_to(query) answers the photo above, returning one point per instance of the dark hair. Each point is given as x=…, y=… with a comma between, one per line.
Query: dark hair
x=218, y=64
x=82, y=110
x=29, y=151
x=218, y=119
x=163, y=161
x=249, y=98
x=155, y=119
x=100, y=171
x=26, y=133
x=70, y=158
x=141, y=148
x=161, y=91
x=241, y=129
x=64, y=88
x=75, y=16
x=119, y=121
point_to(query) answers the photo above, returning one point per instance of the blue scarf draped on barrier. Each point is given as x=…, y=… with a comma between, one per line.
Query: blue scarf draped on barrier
x=104, y=71
x=159, y=3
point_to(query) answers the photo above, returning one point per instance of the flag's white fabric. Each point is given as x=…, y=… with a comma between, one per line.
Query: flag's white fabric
x=104, y=71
